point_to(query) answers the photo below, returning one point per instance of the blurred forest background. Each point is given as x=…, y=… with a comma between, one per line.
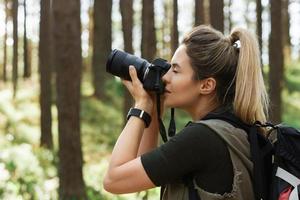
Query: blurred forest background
x=60, y=112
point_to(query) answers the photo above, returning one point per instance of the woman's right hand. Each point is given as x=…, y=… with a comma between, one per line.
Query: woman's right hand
x=143, y=100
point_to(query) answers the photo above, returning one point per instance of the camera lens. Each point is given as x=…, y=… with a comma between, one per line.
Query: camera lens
x=118, y=64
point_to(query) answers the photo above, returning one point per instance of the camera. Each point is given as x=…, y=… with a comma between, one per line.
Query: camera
x=149, y=74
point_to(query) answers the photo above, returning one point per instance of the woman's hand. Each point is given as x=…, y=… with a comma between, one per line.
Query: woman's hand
x=143, y=100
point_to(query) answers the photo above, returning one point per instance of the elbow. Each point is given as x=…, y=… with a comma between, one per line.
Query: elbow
x=110, y=186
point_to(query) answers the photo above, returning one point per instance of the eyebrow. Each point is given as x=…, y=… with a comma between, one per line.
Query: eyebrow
x=175, y=65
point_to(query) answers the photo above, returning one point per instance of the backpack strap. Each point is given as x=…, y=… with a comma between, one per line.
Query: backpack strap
x=291, y=179
x=261, y=152
x=193, y=194
x=189, y=183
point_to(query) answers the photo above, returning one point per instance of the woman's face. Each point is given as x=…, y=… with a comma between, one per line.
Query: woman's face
x=182, y=90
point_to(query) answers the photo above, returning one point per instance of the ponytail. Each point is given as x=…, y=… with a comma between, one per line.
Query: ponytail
x=251, y=100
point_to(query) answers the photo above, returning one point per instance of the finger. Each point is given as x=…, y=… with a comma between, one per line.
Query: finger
x=133, y=75
x=128, y=84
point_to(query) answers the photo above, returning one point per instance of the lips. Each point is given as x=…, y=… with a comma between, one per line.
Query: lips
x=167, y=91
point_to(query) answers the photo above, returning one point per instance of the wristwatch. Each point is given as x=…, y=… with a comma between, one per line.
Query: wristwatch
x=140, y=114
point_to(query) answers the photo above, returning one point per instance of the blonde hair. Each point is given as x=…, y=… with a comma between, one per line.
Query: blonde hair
x=235, y=64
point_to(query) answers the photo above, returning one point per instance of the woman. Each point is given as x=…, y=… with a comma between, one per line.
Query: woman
x=210, y=73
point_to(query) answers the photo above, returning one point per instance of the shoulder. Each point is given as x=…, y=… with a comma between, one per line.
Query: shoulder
x=197, y=135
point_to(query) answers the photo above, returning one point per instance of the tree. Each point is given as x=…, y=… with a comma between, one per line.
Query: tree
x=229, y=14
x=45, y=69
x=27, y=66
x=68, y=62
x=217, y=14
x=259, y=25
x=4, y=43
x=276, y=61
x=148, y=45
x=174, y=31
x=15, y=47
x=286, y=38
x=199, y=12
x=102, y=44
x=126, y=8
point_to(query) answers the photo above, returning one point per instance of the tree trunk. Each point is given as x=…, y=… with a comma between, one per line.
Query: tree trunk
x=45, y=69
x=217, y=14
x=68, y=62
x=199, y=12
x=276, y=61
x=27, y=67
x=15, y=47
x=286, y=30
x=102, y=45
x=259, y=26
x=174, y=32
x=126, y=8
x=229, y=16
x=4, y=44
x=148, y=45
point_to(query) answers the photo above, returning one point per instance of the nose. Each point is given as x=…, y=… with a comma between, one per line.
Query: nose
x=166, y=77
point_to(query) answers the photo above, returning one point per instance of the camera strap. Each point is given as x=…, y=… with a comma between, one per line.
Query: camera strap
x=162, y=129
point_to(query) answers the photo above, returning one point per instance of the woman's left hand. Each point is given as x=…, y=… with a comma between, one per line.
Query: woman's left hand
x=143, y=100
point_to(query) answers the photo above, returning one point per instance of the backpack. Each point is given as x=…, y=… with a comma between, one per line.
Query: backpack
x=276, y=159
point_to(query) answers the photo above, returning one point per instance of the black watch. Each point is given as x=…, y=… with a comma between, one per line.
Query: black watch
x=140, y=114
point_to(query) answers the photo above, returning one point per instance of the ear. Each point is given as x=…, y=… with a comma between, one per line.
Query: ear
x=207, y=85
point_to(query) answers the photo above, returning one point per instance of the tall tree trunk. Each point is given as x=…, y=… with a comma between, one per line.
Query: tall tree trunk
x=174, y=32
x=45, y=69
x=286, y=30
x=276, y=61
x=148, y=45
x=217, y=14
x=91, y=35
x=229, y=16
x=4, y=44
x=199, y=12
x=15, y=47
x=68, y=62
x=27, y=67
x=259, y=26
x=126, y=8
x=102, y=45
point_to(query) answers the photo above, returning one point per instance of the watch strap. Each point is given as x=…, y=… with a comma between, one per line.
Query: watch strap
x=140, y=114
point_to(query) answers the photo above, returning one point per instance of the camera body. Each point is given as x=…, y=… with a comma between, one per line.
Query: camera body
x=149, y=74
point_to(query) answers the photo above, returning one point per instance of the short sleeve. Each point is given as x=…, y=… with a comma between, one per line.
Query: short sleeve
x=195, y=148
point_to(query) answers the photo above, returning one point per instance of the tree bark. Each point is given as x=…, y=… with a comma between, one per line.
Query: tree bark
x=68, y=62
x=174, y=31
x=126, y=8
x=276, y=61
x=15, y=48
x=27, y=67
x=148, y=45
x=259, y=26
x=217, y=14
x=45, y=70
x=199, y=12
x=286, y=30
x=229, y=18
x=102, y=45
x=4, y=44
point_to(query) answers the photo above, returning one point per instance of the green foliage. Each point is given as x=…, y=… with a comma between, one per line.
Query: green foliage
x=23, y=176
x=292, y=80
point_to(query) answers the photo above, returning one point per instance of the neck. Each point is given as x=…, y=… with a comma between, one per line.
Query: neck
x=202, y=108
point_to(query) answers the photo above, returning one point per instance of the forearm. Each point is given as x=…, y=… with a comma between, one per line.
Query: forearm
x=150, y=138
x=127, y=145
